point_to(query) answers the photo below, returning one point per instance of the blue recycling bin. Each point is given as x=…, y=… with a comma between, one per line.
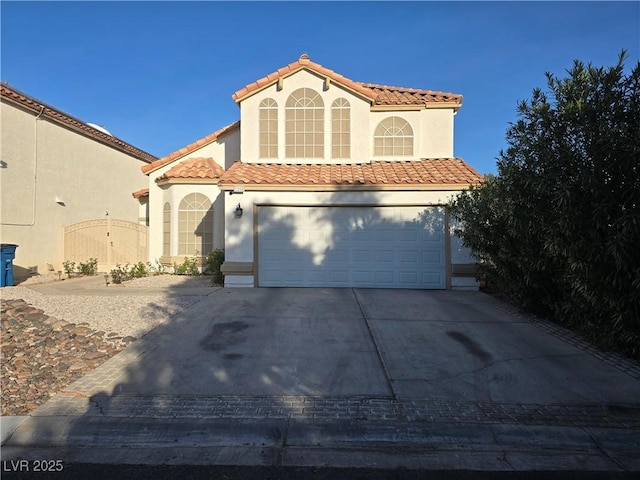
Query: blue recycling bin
x=8, y=254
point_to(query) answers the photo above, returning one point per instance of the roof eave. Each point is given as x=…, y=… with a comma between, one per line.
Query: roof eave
x=189, y=149
x=76, y=125
x=186, y=181
x=351, y=187
x=311, y=67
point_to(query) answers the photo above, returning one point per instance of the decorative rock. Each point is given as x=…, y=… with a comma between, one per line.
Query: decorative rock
x=93, y=355
x=42, y=355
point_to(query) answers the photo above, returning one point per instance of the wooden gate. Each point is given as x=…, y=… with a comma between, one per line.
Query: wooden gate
x=110, y=241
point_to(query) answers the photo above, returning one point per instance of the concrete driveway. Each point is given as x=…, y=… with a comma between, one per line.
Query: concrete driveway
x=359, y=342
x=403, y=359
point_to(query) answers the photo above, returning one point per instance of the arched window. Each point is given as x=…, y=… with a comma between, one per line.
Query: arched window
x=304, y=125
x=166, y=230
x=393, y=136
x=195, y=225
x=268, y=128
x=340, y=129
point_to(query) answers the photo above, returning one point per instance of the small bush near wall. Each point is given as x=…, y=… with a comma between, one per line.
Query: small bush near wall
x=90, y=267
x=188, y=267
x=69, y=267
x=122, y=273
x=212, y=264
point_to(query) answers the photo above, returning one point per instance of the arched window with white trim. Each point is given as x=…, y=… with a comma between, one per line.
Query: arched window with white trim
x=268, y=128
x=195, y=225
x=304, y=124
x=393, y=137
x=340, y=128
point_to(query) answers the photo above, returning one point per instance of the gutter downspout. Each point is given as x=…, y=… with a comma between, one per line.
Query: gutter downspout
x=35, y=175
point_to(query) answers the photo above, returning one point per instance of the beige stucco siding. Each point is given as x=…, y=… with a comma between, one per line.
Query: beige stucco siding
x=432, y=132
x=249, y=120
x=224, y=151
x=173, y=194
x=53, y=177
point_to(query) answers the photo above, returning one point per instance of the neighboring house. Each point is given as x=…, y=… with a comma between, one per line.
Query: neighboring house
x=67, y=189
x=323, y=182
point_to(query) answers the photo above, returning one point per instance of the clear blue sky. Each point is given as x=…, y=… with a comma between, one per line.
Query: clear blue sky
x=160, y=75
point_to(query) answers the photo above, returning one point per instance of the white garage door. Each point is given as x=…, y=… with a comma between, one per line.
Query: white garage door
x=377, y=247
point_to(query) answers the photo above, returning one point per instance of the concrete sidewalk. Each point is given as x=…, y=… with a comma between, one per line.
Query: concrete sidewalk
x=348, y=377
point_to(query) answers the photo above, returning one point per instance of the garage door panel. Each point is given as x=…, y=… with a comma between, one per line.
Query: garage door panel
x=339, y=276
x=384, y=247
x=362, y=277
x=432, y=257
x=361, y=256
x=408, y=278
x=408, y=256
x=384, y=256
x=409, y=235
x=432, y=278
x=339, y=256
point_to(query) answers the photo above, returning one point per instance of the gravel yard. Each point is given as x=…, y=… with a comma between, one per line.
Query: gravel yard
x=127, y=315
x=49, y=341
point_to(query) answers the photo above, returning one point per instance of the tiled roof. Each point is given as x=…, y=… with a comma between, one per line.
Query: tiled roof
x=377, y=94
x=40, y=108
x=386, y=95
x=144, y=192
x=301, y=63
x=194, y=168
x=425, y=172
x=190, y=148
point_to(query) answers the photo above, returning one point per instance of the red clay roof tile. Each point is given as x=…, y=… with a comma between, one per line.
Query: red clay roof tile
x=302, y=63
x=41, y=108
x=387, y=95
x=194, y=168
x=190, y=148
x=434, y=171
x=144, y=192
x=377, y=94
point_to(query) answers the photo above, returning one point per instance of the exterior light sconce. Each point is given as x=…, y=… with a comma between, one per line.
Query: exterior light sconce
x=238, y=211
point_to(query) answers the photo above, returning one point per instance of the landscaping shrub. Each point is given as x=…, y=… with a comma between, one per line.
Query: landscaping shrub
x=188, y=267
x=212, y=264
x=558, y=229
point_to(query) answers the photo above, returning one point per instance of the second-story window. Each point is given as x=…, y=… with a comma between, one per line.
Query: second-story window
x=393, y=137
x=304, y=124
x=268, y=128
x=340, y=129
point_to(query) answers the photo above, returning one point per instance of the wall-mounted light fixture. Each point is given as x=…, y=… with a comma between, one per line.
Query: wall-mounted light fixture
x=238, y=211
x=60, y=201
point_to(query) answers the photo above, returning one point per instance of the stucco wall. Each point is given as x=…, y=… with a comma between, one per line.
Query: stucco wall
x=44, y=162
x=249, y=115
x=224, y=151
x=432, y=128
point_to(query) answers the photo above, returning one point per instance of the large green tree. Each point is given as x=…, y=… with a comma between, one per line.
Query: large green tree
x=559, y=227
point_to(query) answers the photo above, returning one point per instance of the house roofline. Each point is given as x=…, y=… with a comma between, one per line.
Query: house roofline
x=178, y=154
x=20, y=99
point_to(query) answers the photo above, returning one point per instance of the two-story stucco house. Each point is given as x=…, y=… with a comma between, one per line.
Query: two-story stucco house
x=324, y=181
x=67, y=189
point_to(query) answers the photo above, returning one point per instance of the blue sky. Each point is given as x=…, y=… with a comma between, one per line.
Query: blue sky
x=160, y=75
